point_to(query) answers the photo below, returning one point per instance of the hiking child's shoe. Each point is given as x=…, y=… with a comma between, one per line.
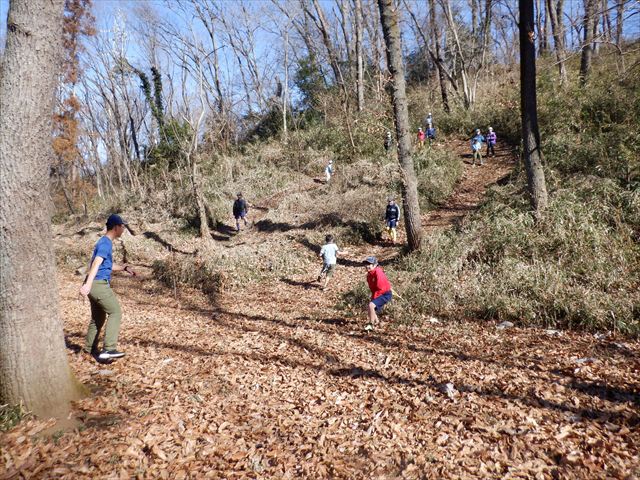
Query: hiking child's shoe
x=109, y=354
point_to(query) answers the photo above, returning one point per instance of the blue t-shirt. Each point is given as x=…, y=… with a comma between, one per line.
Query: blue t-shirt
x=104, y=249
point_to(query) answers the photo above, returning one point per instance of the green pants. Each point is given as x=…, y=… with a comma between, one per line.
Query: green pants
x=103, y=304
x=477, y=155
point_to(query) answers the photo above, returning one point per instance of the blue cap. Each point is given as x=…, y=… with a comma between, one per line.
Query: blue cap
x=114, y=220
x=371, y=260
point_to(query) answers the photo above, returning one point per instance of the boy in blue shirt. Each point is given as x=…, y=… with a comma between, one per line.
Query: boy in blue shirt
x=431, y=134
x=104, y=304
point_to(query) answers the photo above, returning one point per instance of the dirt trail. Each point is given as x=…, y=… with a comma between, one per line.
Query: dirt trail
x=275, y=383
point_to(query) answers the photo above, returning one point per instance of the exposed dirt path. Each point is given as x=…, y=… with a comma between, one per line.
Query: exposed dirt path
x=276, y=383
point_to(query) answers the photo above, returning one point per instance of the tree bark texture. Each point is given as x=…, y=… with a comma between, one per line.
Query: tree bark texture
x=587, y=46
x=557, y=29
x=529, y=110
x=359, y=55
x=435, y=31
x=33, y=362
x=410, y=201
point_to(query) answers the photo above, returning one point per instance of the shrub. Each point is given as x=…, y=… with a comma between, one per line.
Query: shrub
x=578, y=268
x=438, y=171
x=11, y=415
x=196, y=273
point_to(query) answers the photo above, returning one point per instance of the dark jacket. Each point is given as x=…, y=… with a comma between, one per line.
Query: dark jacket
x=240, y=207
x=392, y=213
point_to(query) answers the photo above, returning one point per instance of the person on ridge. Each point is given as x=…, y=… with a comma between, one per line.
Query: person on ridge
x=476, y=147
x=491, y=142
x=240, y=210
x=421, y=138
x=380, y=290
x=329, y=254
x=391, y=217
x=328, y=171
x=105, y=307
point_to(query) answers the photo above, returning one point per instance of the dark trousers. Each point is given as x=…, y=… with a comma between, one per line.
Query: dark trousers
x=491, y=149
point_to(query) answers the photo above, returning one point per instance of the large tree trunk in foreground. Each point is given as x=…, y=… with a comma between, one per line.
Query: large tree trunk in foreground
x=529, y=109
x=33, y=362
x=410, y=202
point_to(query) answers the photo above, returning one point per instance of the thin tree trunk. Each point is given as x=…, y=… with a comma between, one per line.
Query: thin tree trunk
x=410, y=199
x=67, y=195
x=435, y=31
x=285, y=89
x=200, y=203
x=619, y=20
x=467, y=94
x=587, y=47
x=606, y=21
x=557, y=28
x=619, y=25
x=359, y=55
x=34, y=368
x=323, y=27
x=529, y=110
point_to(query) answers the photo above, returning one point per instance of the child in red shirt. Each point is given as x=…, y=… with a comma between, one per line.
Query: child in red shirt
x=421, y=137
x=380, y=290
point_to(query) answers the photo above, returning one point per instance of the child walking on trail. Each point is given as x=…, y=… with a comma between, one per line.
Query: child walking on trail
x=421, y=137
x=476, y=147
x=491, y=142
x=428, y=121
x=388, y=142
x=240, y=210
x=391, y=217
x=328, y=171
x=329, y=254
x=380, y=290
x=431, y=134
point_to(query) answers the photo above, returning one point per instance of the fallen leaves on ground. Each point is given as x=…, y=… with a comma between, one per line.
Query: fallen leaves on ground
x=273, y=382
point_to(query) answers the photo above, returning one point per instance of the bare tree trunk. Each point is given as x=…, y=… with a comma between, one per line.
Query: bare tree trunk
x=557, y=28
x=538, y=15
x=67, y=195
x=285, y=89
x=359, y=55
x=466, y=90
x=410, y=199
x=200, y=203
x=587, y=47
x=606, y=21
x=435, y=31
x=619, y=20
x=33, y=362
x=619, y=25
x=529, y=109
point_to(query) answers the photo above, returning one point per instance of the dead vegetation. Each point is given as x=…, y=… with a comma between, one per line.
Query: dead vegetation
x=268, y=377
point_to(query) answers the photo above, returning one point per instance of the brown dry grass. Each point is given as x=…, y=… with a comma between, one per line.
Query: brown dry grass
x=272, y=381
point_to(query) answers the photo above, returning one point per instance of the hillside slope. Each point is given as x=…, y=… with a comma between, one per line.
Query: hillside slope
x=273, y=381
